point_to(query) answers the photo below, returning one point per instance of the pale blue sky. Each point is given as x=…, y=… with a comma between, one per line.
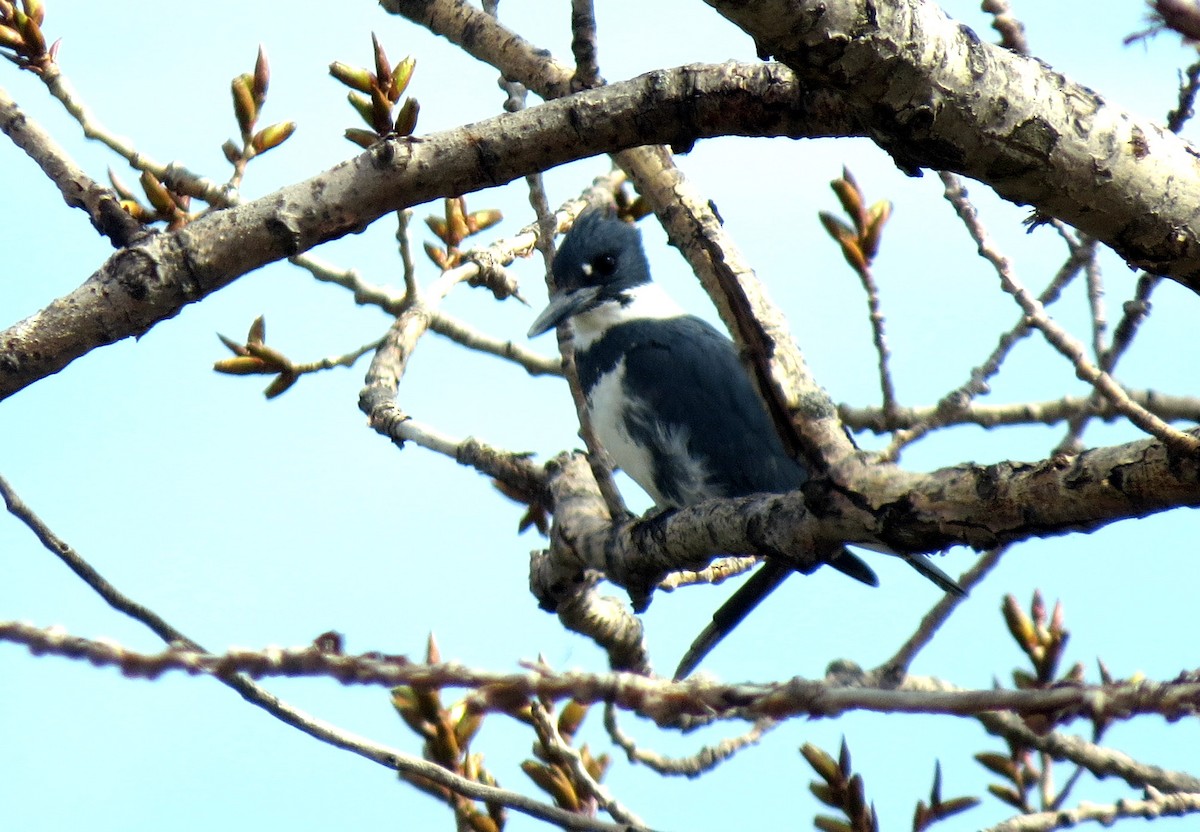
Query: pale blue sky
x=246, y=522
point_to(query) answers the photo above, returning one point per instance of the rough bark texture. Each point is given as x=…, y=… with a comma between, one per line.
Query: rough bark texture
x=934, y=95
x=980, y=506
x=149, y=282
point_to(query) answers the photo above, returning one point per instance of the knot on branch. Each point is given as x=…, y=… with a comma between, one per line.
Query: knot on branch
x=386, y=417
x=492, y=274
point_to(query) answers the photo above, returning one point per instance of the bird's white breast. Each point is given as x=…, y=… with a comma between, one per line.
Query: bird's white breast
x=612, y=412
x=607, y=406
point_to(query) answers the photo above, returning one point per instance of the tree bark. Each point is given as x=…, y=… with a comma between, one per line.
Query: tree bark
x=932, y=94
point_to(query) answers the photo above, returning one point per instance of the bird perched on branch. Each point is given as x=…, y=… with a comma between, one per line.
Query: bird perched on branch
x=671, y=402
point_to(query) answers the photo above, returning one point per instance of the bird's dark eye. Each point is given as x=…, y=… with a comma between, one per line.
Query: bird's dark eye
x=604, y=265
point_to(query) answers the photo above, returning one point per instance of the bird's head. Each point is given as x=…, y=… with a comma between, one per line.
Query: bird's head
x=600, y=261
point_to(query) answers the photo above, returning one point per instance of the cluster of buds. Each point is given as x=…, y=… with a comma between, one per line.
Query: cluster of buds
x=938, y=809
x=375, y=96
x=255, y=358
x=447, y=732
x=1043, y=640
x=249, y=92
x=454, y=227
x=859, y=240
x=842, y=790
x=164, y=203
x=1019, y=773
x=21, y=32
x=554, y=777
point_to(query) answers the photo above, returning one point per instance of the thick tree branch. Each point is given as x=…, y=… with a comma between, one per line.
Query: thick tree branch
x=981, y=506
x=933, y=95
x=145, y=284
x=77, y=188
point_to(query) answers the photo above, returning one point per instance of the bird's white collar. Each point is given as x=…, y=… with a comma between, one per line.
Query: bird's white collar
x=647, y=301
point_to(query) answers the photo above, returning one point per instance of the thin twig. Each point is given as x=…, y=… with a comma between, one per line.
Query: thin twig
x=347, y=360
x=1100, y=761
x=174, y=175
x=1056, y=335
x=583, y=45
x=704, y=760
x=87, y=573
x=1061, y=798
x=957, y=401
x=1155, y=805
x=411, y=289
x=562, y=753
x=1095, y=293
x=52, y=641
x=461, y=332
x=77, y=188
x=895, y=668
x=1135, y=310
x=365, y=294
x=1166, y=407
x=1189, y=85
x=1046, y=781
x=886, y=386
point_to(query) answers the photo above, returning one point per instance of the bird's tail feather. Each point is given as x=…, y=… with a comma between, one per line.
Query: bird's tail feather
x=769, y=576
x=748, y=596
x=850, y=564
x=927, y=568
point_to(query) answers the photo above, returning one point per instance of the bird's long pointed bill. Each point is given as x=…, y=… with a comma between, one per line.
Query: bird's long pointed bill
x=561, y=307
x=748, y=596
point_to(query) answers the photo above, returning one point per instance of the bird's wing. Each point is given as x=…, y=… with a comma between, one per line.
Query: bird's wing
x=710, y=408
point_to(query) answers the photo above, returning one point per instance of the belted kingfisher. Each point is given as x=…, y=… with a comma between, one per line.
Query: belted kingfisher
x=671, y=402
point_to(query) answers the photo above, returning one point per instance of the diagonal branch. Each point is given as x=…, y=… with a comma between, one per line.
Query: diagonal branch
x=77, y=188
x=1058, y=337
x=1154, y=806
x=143, y=285
x=1101, y=761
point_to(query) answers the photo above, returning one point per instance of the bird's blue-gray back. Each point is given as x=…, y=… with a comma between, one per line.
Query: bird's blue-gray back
x=709, y=398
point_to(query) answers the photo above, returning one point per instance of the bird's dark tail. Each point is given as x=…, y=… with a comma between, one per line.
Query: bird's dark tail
x=926, y=567
x=750, y=594
x=769, y=576
x=850, y=564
